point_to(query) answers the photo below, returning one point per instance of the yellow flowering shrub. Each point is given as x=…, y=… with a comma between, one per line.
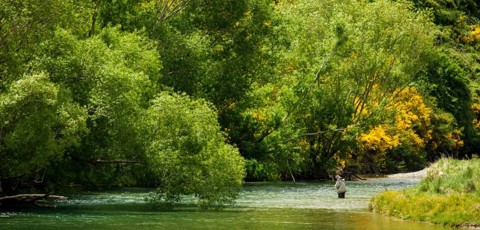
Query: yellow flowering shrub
x=475, y=33
x=413, y=117
x=473, y=36
x=455, y=139
x=379, y=138
x=409, y=125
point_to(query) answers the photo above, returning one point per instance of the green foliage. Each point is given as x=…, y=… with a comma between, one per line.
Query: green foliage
x=113, y=76
x=221, y=51
x=447, y=12
x=459, y=67
x=342, y=53
x=186, y=150
x=185, y=58
x=38, y=122
x=231, y=35
x=24, y=24
x=448, y=195
x=116, y=13
x=446, y=138
x=445, y=80
x=76, y=63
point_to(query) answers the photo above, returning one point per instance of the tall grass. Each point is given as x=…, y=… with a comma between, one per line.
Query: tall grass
x=449, y=194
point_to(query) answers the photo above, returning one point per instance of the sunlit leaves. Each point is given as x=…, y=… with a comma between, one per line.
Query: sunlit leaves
x=25, y=24
x=38, y=121
x=187, y=152
x=112, y=74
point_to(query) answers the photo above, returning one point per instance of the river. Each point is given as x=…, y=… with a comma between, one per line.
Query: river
x=283, y=205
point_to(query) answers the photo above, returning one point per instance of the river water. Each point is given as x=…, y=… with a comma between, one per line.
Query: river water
x=261, y=206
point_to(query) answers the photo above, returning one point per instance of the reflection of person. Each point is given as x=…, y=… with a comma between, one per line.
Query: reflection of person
x=340, y=185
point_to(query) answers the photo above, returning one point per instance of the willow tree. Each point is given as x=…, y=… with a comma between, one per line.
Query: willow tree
x=39, y=119
x=216, y=50
x=109, y=74
x=187, y=152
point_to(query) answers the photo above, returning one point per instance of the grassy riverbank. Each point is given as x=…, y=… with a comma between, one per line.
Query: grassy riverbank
x=449, y=194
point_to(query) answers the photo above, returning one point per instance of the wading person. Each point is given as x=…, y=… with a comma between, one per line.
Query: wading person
x=340, y=185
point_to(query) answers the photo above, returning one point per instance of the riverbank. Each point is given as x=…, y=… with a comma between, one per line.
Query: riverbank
x=448, y=194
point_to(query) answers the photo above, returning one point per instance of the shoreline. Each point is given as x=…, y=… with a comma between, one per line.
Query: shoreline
x=447, y=195
x=410, y=175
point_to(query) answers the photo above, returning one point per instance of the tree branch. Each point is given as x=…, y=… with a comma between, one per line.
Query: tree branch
x=94, y=18
x=32, y=197
x=169, y=8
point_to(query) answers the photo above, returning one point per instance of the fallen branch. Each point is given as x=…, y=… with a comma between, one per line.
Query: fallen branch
x=357, y=176
x=37, y=199
x=32, y=197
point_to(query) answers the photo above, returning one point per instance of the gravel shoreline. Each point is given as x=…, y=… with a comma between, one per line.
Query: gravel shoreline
x=411, y=175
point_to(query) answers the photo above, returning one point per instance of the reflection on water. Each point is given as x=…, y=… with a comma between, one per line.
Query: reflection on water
x=261, y=206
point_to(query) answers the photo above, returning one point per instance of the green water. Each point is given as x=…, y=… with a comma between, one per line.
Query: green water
x=260, y=206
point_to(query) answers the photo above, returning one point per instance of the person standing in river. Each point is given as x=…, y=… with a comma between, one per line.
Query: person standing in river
x=340, y=185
